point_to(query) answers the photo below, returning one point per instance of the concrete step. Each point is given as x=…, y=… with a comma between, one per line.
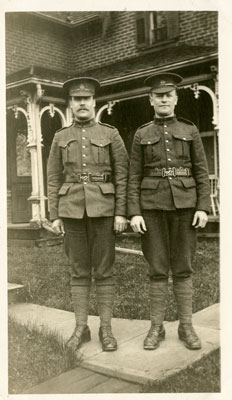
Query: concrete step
x=130, y=362
x=14, y=292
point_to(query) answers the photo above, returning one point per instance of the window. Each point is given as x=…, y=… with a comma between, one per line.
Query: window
x=154, y=27
x=23, y=158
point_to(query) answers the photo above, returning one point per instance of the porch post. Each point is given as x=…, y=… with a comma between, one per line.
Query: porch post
x=216, y=130
x=69, y=117
x=32, y=146
x=35, y=146
x=40, y=162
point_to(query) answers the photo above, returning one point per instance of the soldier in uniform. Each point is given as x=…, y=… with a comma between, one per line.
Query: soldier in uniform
x=87, y=183
x=168, y=198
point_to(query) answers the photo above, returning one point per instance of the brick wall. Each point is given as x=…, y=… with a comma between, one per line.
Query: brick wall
x=198, y=28
x=119, y=43
x=32, y=41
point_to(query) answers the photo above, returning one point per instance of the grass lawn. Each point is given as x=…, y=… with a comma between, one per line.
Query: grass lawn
x=35, y=357
x=45, y=274
x=201, y=377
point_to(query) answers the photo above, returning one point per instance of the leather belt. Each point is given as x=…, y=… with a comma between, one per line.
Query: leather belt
x=166, y=172
x=87, y=177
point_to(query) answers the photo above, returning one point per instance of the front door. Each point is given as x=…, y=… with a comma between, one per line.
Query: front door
x=18, y=167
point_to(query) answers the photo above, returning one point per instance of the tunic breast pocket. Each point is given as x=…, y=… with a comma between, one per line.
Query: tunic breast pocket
x=182, y=145
x=151, y=149
x=69, y=151
x=101, y=150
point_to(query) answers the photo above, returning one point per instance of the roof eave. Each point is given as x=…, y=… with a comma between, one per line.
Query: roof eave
x=67, y=24
x=168, y=67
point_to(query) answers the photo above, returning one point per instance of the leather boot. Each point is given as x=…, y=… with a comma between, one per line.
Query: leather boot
x=107, y=339
x=155, y=334
x=81, y=334
x=183, y=290
x=187, y=333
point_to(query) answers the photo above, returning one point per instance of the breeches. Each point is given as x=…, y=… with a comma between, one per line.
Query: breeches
x=90, y=246
x=169, y=242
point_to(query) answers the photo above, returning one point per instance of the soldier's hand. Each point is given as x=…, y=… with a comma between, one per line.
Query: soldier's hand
x=138, y=224
x=120, y=223
x=58, y=226
x=200, y=219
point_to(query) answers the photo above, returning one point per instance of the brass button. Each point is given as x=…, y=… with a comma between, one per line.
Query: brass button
x=168, y=149
x=84, y=155
x=84, y=165
x=149, y=142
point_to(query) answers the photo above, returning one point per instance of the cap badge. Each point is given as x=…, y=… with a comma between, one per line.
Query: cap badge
x=162, y=82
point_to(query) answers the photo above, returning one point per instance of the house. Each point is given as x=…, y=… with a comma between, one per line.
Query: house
x=120, y=48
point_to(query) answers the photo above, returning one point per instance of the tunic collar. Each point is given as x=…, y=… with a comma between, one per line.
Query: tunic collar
x=165, y=120
x=89, y=122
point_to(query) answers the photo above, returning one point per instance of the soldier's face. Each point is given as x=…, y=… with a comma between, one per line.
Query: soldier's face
x=83, y=107
x=164, y=103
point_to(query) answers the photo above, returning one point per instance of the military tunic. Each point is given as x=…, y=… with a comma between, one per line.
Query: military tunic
x=166, y=143
x=94, y=148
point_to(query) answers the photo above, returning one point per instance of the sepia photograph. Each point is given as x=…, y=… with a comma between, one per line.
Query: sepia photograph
x=113, y=192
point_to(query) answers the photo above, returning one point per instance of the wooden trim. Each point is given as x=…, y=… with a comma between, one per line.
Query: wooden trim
x=207, y=134
x=56, y=100
x=143, y=91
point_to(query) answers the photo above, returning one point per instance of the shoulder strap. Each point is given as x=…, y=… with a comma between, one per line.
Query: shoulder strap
x=187, y=121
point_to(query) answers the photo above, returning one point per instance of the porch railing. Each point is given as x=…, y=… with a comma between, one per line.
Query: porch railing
x=214, y=194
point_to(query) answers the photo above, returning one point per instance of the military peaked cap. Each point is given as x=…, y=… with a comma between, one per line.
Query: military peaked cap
x=163, y=83
x=82, y=86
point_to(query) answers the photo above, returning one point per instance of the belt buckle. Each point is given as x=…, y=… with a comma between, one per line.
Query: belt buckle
x=168, y=172
x=105, y=177
x=85, y=177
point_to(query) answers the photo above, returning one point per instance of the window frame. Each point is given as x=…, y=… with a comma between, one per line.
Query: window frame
x=144, y=32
